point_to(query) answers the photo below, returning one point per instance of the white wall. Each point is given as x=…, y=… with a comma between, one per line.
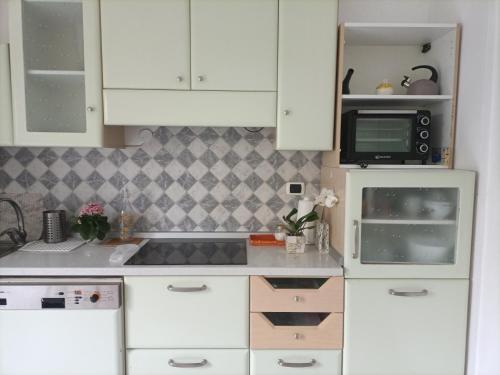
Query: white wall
x=477, y=145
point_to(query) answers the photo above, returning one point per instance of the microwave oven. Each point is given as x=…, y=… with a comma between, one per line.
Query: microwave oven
x=385, y=136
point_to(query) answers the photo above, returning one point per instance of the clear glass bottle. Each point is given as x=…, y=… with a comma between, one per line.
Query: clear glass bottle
x=126, y=219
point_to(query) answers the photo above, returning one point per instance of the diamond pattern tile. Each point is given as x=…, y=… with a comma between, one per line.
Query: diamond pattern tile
x=185, y=179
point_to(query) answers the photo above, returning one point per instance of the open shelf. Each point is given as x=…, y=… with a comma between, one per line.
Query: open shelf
x=408, y=222
x=379, y=52
x=44, y=72
x=395, y=34
x=366, y=100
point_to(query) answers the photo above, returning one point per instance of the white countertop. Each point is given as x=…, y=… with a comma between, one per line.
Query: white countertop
x=94, y=260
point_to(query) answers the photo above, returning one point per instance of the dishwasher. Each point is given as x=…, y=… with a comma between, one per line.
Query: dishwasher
x=61, y=326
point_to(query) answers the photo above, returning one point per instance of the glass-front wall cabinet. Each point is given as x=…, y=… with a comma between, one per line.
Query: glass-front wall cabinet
x=408, y=223
x=57, y=84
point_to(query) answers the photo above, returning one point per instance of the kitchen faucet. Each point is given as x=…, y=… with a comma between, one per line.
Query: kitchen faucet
x=17, y=235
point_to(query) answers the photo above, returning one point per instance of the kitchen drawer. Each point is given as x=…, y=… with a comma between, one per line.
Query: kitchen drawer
x=296, y=294
x=296, y=330
x=187, y=362
x=186, y=312
x=295, y=362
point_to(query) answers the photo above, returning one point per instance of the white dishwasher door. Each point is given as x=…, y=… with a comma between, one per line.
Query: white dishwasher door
x=61, y=342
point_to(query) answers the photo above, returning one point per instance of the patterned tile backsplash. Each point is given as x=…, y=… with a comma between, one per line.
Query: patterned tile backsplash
x=184, y=179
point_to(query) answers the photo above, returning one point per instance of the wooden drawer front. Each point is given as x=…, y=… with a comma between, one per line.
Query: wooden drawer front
x=328, y=298
x=295, y=362
x=265, y=335
x=203, y=361
x=158, y=316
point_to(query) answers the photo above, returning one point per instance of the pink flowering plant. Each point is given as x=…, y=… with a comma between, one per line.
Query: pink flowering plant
x=91, y=222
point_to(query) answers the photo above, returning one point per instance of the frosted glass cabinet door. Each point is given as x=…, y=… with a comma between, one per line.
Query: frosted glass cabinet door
x=306, y=74
x=145, y=44
x=234, y=44
x=405, y=327
x=409, y=223
x=56, y=75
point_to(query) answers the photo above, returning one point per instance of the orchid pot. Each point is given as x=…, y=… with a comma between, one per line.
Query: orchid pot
x=295, y=244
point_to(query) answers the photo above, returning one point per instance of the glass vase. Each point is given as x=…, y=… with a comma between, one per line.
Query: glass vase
x=126, y=220
x=323, y=237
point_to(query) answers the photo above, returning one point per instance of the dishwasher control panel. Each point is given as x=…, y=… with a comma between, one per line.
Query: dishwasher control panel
x=77, y=296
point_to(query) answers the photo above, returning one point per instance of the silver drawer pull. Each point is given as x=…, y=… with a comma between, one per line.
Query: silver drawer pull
x=183, y=289
x=422, y=293
x=282, y=363
x=172, y=363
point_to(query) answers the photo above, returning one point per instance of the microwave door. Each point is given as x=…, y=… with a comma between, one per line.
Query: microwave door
x=384, y=138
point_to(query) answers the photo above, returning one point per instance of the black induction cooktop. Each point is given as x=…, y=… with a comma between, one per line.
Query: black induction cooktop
x=206, y=252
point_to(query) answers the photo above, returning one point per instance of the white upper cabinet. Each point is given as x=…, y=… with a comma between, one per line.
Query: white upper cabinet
x=234, y=44
x=306, y=74
x=145, y=44
x=56, y=74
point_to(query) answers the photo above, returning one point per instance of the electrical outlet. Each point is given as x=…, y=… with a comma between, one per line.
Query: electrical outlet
x=295, y=188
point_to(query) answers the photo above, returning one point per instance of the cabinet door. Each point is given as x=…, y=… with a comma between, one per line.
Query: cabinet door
x=187, y=362
x=234, y=44
x=306, y=74
x=6, y=138
x=409, y=224
x=295, y=362
x=399, y=327
x=56, y=73
x=145, y=44
x=187, y=312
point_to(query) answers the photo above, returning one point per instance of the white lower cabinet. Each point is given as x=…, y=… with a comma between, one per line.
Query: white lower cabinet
x=405, y=327
x=295, y=362
x=187, y=312
x=187, y=362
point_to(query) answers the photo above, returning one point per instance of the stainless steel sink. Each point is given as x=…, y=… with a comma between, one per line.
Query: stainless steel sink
x=7, y=248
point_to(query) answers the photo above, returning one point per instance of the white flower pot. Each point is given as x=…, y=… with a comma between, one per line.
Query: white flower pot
x=295, y=244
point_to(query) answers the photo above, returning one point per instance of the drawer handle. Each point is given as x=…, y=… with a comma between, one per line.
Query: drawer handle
x=172, y=363
x=282, y=363
x=296, y=299
x=183, y=289
x=422, y=293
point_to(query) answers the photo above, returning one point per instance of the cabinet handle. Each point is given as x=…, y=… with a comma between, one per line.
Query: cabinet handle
x=422, y=293
x=286, y=112
x=182, y=289
x=90, y=109
x=282, y=363
x=355, y=253
x=180, y=79
x=201, y=78
x=172, y=363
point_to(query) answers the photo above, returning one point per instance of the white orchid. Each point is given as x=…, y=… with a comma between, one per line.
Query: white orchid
x=326, y=198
